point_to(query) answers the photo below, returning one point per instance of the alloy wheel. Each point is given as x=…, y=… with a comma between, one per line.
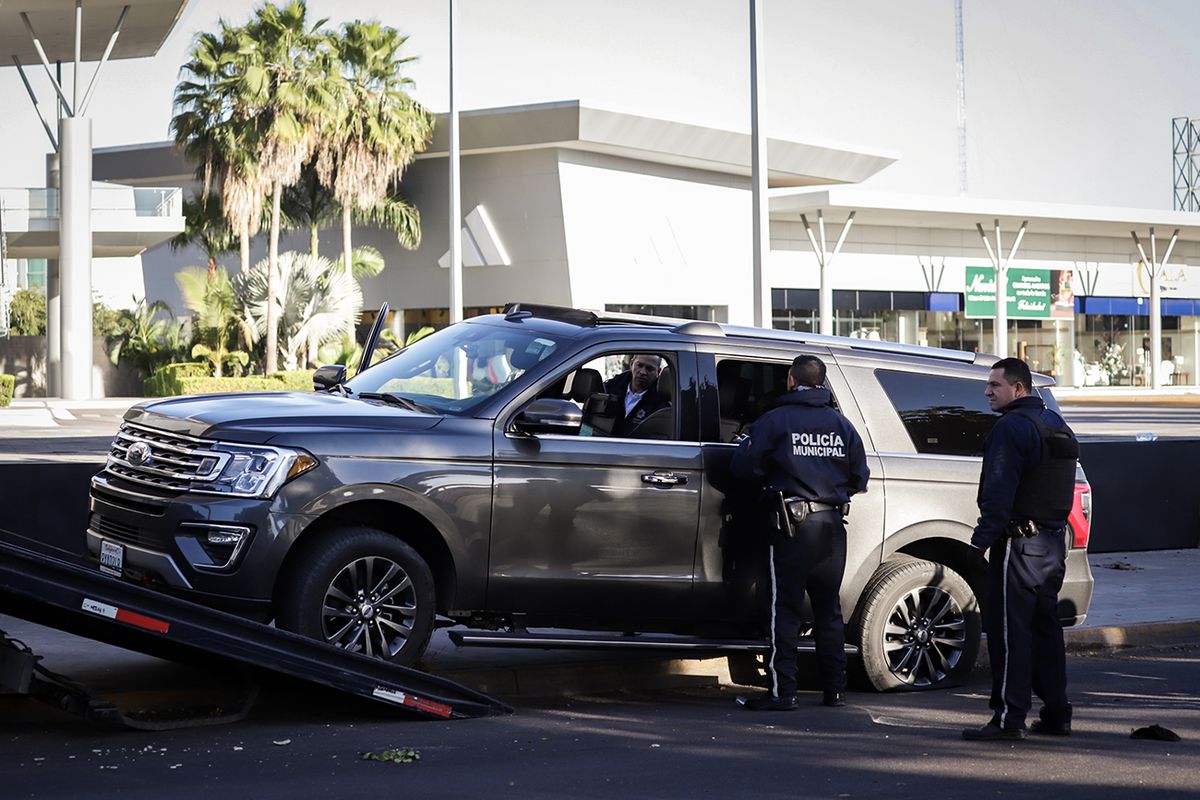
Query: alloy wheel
x=924, y=637
x=370, y=607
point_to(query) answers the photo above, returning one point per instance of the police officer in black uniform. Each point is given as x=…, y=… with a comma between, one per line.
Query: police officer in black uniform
x=810, y=460
x=1025, y=494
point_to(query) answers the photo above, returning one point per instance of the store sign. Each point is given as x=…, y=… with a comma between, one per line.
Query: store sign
x=1032, y=293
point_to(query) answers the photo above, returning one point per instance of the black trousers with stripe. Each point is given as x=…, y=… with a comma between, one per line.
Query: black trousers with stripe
x=813, y=560
x=1025, y=637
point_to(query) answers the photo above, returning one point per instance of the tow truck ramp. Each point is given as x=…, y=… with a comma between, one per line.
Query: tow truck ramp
x=58, y=594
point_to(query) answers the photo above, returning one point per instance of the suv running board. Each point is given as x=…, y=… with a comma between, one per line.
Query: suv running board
x=645, y=642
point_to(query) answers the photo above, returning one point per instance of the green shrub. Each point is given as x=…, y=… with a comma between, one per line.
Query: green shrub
x=27, y=313
x=253, y=383
x=297, y=381
x=438, y=387
x=196, y=378
x=166, y=380
x=6, y=389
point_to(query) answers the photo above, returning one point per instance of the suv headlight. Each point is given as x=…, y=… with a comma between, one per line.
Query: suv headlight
x=249, y=470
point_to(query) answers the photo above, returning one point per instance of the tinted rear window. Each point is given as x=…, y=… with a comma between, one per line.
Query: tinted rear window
x=943, y=415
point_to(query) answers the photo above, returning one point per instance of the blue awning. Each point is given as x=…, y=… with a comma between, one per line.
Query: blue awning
x=1136, y=306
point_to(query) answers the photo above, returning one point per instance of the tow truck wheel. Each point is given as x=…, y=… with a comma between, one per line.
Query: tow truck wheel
x=919, y=626
x=361, y=590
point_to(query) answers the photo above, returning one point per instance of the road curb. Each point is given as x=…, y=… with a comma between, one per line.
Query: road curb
x=1119, y=637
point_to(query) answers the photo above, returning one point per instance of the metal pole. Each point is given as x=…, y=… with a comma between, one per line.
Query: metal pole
x=960, y=64
x=760, y=210
x=37, y=45
x=456, y=302
x=78, y=35
x=112, y=40
x=36, y=107
x=1155, y=355
x=1000, y=323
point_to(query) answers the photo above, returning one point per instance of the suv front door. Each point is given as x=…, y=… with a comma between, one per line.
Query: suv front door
x=594, y=525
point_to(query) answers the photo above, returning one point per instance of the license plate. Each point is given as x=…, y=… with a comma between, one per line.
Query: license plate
x=112, y=558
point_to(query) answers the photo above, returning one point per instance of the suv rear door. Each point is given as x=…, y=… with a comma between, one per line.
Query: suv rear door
x=740, y=378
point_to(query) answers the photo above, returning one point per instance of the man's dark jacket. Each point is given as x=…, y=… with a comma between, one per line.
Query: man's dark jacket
x=651, y=400
x=1013, y=447
x=805, y=448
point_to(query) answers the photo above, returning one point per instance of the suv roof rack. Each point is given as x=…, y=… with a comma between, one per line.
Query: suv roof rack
x=588, y=319
x=853, y=344
x=574, y=316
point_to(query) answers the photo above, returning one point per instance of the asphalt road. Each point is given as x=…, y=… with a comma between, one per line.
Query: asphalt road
x=689, y=741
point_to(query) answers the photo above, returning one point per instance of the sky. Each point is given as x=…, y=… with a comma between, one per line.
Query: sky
x=1068, y=101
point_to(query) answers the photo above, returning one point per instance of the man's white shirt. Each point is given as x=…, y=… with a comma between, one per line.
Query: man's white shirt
x=631, y=400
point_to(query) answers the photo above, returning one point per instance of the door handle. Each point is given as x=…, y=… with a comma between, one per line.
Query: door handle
x=663, y=479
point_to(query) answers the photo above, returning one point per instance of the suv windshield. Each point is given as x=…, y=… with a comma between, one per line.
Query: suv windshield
x=458, y=367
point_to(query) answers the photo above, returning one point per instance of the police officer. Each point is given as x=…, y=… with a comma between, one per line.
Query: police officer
x=1025, y=494
x=810, y=459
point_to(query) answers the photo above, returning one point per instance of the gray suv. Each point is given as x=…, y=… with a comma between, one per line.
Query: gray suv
x=474, y=479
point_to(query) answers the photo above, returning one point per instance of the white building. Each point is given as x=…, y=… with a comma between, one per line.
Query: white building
x=579, y=206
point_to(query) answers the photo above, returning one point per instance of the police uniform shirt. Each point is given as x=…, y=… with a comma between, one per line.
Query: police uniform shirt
x=805, y=448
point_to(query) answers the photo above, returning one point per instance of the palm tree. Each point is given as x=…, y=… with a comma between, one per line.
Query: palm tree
x=205, y=226
x=147, y=337
x=311, y=301
x=309, y=205
x=215, y=125
x=292, y=94
x=216, y=307
x=378, y=128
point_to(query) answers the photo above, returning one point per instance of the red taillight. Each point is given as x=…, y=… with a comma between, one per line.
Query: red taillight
x=1080, y=518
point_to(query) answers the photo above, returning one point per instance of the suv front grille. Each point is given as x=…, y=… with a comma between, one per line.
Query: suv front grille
x=158, y=460
x=111, y=529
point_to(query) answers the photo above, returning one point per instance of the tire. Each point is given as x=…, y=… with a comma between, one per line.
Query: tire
x=919, y=627
x=380, y=595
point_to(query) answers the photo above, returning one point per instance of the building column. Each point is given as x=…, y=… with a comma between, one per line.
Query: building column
x=75, y=262
x=53, y=290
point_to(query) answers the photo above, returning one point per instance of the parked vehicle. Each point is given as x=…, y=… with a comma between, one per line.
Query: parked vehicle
x=468, y=480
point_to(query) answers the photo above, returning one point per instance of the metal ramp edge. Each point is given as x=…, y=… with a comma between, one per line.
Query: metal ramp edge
x=57, y=594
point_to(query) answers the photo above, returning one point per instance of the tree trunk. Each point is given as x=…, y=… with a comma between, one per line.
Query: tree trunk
x=212, y=270
x=272, y=361
x=347, y=261
x=314, y=241
x=245, y=248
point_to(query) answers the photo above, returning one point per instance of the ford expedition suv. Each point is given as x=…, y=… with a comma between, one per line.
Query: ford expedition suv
x=472, y=479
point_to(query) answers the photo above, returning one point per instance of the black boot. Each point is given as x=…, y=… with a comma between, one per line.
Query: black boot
x=768, y=702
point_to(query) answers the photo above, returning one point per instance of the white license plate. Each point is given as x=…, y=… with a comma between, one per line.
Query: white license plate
x=112, y=558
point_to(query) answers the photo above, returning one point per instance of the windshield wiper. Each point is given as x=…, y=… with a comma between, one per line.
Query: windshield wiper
x=397, y=400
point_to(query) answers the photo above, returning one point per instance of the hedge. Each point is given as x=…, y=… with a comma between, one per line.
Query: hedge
x=195, y=377
x=7, y=382
x=166, y=380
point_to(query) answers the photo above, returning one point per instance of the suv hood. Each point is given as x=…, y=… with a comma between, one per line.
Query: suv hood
x=256, y=418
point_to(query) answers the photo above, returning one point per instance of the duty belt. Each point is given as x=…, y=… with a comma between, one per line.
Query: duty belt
x=799, y=508
x=1028, y=528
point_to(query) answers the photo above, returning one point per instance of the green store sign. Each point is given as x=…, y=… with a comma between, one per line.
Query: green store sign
x=1029, y=293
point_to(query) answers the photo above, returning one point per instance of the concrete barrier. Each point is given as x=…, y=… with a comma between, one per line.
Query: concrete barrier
x=46, y=506
x=1145, y=497
x=1144, y=494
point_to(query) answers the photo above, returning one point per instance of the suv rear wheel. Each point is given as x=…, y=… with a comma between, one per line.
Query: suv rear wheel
x=361, y=590
x=919, y=626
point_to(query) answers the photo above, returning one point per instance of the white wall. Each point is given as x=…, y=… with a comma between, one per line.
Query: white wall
x=673, y=237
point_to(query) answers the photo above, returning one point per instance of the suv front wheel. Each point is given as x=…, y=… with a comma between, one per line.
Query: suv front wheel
x=362, y=590
x=918, y=626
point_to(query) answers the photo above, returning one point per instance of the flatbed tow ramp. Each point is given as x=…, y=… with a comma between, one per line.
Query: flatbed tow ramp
x=57, y=594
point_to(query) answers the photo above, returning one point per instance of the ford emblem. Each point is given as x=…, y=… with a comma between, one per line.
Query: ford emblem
x=138, y=454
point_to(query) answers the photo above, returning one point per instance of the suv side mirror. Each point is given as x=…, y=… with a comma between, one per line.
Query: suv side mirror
x=549, y=415
x=325, y=378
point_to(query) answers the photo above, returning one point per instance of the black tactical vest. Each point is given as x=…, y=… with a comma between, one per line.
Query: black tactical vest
x=1047, y=491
